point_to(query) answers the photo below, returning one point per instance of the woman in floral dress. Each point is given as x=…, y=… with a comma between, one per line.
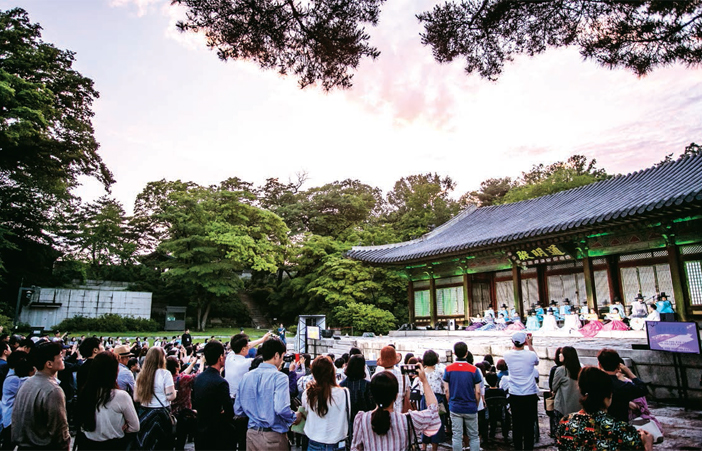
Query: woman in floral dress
x=592, y=428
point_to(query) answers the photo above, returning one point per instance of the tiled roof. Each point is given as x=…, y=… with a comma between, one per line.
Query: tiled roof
x=646, y=192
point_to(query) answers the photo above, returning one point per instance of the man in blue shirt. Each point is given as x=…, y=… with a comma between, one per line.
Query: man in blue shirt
x=268, y=421
x=462, y=383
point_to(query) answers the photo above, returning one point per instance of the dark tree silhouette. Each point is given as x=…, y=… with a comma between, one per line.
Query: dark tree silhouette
x=638, y=35
x=317, y=41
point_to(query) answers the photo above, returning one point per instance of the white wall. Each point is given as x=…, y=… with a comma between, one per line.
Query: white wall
x=45, y=311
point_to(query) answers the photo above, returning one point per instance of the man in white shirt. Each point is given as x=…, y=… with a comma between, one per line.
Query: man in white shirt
x=235, y=366
x=523, y=392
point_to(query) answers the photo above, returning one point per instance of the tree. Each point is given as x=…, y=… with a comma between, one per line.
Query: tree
x=421, y=203
x=637, y=35
x=491, y=192
x=690, y=150
x=331, y=209
x=560, y=176
x=319, y=41
x=213, y=235
x=101, y=236
x=324, y=40
x=46, y=134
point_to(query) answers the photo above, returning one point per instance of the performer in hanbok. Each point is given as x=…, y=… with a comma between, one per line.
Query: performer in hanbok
x=615, y=321
x=533, y=321
x=489, y=323
x=638, y=313
x=653, y=314
x=665, y=308
x=500, y=322
x=539, y=312
x=619, y=307
x=504, y=312
x=564, y=309
x=490, y=312
x=549, y=324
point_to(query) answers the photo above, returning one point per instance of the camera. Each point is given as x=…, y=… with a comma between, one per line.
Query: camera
x=410, y=369
x=288, y=358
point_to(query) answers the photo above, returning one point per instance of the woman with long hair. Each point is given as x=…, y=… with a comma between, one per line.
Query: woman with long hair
x=592, y=427
x=435, y=377
x=386, y=429
x=105, y=412
x=548, y=396
x=155, y=391
x=20, y=369
x=327, y=407
x=565, y=384
x=358, y=387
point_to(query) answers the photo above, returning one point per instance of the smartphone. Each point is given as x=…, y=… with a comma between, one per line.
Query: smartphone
x=529, y=335
x=409, y=369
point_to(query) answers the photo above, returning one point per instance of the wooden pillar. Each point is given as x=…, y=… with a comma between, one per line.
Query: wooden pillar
x=432, y=301
x=542, y=284
x=517, y=288
x=678, y=278
x=410, y=300
x=589, y=283
x=614, y=279
x=467, y=297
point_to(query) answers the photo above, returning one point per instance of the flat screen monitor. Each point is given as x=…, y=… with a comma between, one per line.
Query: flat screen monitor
x=680, y=336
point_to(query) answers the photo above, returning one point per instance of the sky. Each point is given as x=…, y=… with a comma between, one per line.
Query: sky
x=170, y=109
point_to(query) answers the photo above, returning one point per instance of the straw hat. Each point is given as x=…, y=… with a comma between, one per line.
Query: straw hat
x=123, y=351
x=388, y=357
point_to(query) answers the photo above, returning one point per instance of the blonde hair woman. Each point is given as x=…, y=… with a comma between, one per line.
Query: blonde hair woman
x=154, y=391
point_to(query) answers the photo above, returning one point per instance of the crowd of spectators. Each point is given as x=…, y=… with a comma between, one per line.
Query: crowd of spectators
x=114, y=393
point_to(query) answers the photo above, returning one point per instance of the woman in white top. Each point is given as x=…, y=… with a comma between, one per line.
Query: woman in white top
x=327, y=406
x=105, y=412
x=155, y=391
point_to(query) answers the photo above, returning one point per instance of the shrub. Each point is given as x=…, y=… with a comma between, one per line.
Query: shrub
x=364, y=318
x=108, y=322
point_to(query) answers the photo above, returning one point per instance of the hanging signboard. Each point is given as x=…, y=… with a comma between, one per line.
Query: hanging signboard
x=681, y=337
x=540, y=254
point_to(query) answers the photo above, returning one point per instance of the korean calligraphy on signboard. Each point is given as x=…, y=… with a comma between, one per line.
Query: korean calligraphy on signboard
x=540, y=254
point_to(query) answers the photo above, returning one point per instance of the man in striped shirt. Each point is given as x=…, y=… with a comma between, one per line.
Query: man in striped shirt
x=462, y=383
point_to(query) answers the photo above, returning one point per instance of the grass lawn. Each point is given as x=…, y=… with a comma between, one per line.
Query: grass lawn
x=221, y=333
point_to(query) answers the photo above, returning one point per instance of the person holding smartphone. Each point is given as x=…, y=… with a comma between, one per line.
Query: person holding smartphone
x=522, y=388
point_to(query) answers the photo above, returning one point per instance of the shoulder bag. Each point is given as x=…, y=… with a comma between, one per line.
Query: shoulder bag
x=412, y=442
x=171, y=417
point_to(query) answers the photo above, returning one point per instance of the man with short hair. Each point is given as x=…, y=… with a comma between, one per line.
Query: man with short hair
x=125, y=378
x=235, y=366
x=268, y=421
x=186, y=340
x=625, y=385
x=89, y=348
x=39, y=418
x=462, y=386
x=210, y=398
x=523, y=392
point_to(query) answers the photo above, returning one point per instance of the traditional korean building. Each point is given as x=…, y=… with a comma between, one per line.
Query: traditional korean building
x=611, y=240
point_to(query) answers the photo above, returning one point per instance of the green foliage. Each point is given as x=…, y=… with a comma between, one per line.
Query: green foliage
x=543, y=180
x=212, y=235
x=364, y=318
x=421, y=203
x=491, y=192
x=108, y=323
x=46, y=134
x=100, y=235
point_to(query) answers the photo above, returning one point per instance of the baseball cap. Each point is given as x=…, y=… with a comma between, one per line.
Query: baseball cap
x=519, y=337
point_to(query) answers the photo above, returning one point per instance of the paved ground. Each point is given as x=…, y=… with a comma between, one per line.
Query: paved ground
x=683, y=431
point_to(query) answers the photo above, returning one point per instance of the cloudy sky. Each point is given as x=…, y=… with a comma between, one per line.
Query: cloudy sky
x=169, y=108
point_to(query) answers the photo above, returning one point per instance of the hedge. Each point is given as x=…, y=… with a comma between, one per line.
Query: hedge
x=109, y=322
